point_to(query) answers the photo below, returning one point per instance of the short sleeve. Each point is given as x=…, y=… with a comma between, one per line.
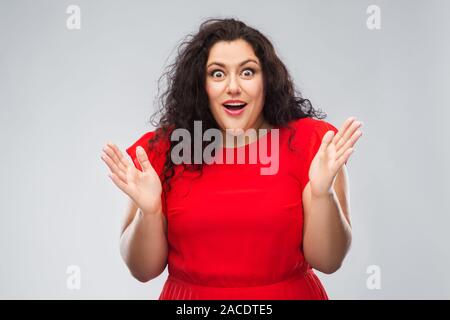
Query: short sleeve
x=155, y=155
x=142, y=142
x=317, y=131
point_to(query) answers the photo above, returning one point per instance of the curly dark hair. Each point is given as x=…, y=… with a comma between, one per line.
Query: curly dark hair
x=185, y=99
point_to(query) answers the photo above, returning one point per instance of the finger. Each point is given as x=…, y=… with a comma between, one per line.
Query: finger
x=348, y=134
x=344, y=158
x=326, y=140
x=119, y=183
x=113, y=167
x=119, y=155
x=350, y=143
x=110, y=152
x=143, y=159
x=342, y=130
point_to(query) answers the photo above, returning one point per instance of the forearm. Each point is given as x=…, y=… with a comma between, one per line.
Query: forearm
x=144, y=247
x=328, y=235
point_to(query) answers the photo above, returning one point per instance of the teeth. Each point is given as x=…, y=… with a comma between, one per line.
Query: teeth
x=235, y=104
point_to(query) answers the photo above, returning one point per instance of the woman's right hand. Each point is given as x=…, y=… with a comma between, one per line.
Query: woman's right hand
x=144, y=187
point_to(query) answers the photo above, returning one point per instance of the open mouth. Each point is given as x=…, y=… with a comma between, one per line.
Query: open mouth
x=235, y=106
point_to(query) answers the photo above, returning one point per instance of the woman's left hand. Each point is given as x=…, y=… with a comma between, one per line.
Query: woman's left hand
x=334, y=151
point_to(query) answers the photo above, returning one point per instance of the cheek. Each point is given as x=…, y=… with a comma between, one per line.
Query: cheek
x=255, y=89
x=213, y=89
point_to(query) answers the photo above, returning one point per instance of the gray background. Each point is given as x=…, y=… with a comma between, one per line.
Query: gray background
x=64, y=93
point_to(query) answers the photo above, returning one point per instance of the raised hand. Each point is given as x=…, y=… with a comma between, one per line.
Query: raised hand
x=334, y=151
x=143, y=187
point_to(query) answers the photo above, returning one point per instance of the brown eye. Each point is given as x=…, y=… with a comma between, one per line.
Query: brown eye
x=247, y=73
x=215, y=72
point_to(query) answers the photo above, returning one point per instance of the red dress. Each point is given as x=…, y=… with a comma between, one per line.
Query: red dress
x=234, y=233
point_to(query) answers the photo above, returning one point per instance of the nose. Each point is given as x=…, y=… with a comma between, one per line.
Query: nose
x=233, y=86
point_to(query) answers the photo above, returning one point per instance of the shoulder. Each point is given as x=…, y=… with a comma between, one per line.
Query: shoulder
x=308, y=131
x=155, y=143
x=151, y=141
x=142, y=141
x=312, y=125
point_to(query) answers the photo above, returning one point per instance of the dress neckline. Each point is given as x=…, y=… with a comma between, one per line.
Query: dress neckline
x=269, y=131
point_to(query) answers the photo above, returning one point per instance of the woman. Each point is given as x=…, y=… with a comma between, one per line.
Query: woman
x=226, y=231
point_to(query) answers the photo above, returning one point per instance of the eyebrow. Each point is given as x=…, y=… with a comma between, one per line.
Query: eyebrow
x=240, y=64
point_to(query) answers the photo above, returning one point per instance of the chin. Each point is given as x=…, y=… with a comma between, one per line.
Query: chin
x=234, y=128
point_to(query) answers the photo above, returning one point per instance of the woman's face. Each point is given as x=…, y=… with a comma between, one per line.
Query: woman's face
x=235, y=73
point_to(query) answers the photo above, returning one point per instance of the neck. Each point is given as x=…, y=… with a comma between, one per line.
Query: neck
x=262, y=124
